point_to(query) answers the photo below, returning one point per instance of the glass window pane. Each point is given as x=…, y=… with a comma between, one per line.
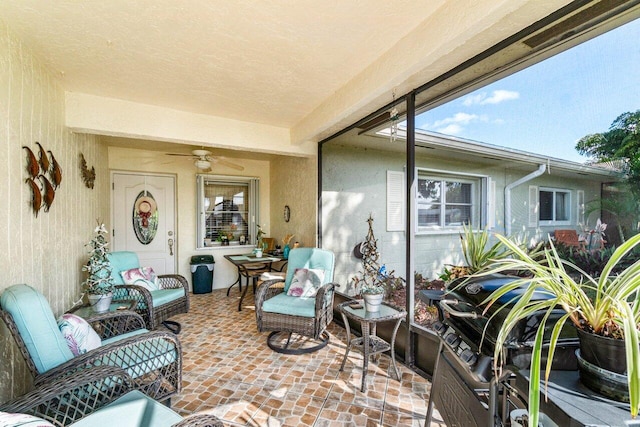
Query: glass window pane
x=562, y=206
x=428, y=215
x=227, y=211
x=546, y=206
x=429, y=191
x=457, y=215
x=458, y=192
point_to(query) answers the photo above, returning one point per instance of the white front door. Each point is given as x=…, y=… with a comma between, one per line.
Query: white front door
x=143, y=218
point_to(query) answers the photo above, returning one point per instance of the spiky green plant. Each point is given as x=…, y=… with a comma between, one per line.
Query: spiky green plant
x=607, y=305
x=476, y=250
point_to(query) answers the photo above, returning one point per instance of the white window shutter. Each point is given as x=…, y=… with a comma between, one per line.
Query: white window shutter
x=395, y=201
x=580, y=208
x=533, y=206
x=491, y=204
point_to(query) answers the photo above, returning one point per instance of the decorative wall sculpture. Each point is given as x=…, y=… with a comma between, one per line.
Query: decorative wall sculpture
x=38, y=168
x=88, y=175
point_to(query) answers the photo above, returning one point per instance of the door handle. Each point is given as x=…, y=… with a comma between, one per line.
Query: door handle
x=170, y=241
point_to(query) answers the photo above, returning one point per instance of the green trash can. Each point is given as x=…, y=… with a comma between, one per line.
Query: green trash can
x=202, y=273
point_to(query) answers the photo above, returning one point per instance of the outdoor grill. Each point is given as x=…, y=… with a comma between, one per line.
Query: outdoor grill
x=465, y=389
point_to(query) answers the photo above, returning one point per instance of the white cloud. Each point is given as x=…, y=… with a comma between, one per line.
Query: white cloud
x=474, y=99
x=501, y=95
x=458, y=118
x=455, y=124
x=452, y=129
x=496, y=97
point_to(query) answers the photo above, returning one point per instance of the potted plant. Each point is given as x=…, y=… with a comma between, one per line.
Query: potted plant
x=608, y=305
x=372, y=283
x=99, y=285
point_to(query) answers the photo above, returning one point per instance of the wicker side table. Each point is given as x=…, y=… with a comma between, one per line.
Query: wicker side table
x=369, y=344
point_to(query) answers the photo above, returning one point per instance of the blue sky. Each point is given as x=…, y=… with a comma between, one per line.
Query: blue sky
x=547, y=108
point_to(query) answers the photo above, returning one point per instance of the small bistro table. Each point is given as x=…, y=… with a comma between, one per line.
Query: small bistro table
x=119, y=319
x=86, y=311
x=244, y=263
x=369, y=344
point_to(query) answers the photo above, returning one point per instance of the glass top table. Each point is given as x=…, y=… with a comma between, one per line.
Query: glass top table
x=249, y=266
x=369, y=344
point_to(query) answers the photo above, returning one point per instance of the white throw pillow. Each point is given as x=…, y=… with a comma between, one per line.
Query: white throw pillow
x=306, y=282
x=22, y=420
x=143, y=276
x=79, y=335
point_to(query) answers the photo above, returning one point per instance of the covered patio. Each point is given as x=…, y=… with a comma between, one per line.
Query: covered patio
x=260, y=87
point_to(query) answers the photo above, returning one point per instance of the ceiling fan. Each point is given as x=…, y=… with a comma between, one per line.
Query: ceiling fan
x=203, y=160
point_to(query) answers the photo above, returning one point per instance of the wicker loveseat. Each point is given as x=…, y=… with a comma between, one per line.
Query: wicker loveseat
x=156, y=306
x=152, y=358
x=97, y=396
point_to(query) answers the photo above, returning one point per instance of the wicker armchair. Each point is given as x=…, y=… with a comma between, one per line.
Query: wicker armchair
x=307, y=316
x=152, y=359
x=92, y=397
x=157, y=306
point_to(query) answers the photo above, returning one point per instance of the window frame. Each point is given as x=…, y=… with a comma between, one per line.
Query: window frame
x=253, y=201
x=567, y=206
x=480, y=199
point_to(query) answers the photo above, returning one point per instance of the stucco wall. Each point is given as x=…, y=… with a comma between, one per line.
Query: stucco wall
x=294, y=183
x=354, y=186
x=46, y=252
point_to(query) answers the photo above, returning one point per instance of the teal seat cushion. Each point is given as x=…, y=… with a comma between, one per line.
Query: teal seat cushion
x=149, y=355
x=134, y=409
x=123, y=336
x=294, y=306
x=122, y=261
x=312, y=259
x=37, y=326
x=163, y=296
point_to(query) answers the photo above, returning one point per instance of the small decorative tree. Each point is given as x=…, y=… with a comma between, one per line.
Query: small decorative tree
x=372, y=280
x=99, y=280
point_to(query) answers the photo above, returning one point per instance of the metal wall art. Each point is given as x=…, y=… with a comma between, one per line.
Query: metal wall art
x=88, y=175
x=38, y=169
x=145, y=217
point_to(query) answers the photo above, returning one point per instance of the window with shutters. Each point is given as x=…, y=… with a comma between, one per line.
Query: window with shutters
x=554, y=206
x=447, y=202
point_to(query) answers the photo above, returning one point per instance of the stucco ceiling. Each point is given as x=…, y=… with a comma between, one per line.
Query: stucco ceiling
x=270, y=62
x=264, y=62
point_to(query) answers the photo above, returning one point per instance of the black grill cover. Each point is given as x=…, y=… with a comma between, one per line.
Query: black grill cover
x=519, y=343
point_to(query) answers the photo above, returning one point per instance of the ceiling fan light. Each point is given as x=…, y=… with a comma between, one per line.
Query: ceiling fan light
x=200, y=153
x=202, y=164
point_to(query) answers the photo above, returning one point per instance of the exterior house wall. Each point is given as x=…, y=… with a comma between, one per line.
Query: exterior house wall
x=150, y=162
x=520, y=204
x=354, y=185
x=47, y=251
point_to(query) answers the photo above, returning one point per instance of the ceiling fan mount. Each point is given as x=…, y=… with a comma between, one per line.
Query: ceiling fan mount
x=203, y=160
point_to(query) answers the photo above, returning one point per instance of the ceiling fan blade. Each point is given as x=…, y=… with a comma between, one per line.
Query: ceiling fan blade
x=179, y=154
x=229, y=164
